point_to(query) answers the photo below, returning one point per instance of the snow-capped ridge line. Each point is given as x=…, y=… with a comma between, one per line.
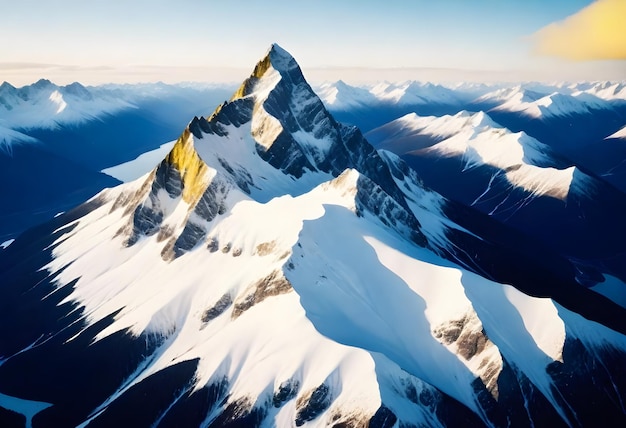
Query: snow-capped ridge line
x=277, y=270
x=45, y=105
x=479, y=140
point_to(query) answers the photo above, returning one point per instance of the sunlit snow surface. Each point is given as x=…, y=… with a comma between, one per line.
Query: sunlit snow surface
x=139, y=166
x=312, y=289
x=481, y=141
x=364, y=305
x=362, y=297
x=44, y=105
x=6, y=244
x=619, y=134
x=531, y=99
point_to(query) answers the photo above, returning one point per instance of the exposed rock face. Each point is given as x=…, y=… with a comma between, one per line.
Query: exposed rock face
x=182, y=174
x=461, y=332
x=312, y=403
x=469, y=340
x=383, y=418
x=294, y=133
x=371, y=197
x=210, y=205
x=272, y=285
x=184, y=158
x=305, y=135
x=218, y=309
x=285, y=392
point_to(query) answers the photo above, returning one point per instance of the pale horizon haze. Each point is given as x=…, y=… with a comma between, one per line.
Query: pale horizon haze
x=96, y=42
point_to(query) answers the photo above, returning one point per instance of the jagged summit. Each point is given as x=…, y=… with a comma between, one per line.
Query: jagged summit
x=277, y=114
x=281, y=59
x=77, y=90
x=276, y=61
x=274, y=137
x=6, y=86
x=43, y=83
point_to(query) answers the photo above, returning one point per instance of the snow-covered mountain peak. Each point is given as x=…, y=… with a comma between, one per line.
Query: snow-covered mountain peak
x=44, y=105
x=6, y=88
x=281, y=59
x=605, y=90
x=274, y=269
x=289, y=124
x=340, y=95
x=78, y=90
x=478, y=140
x=273, y=138
x=341, y=85
x=545, y=101
x=276, y=115
x=43, y=84
x=414, y=93
x=527, y=95
x=275, y=65
x=482, y=120
x=518, y=93
x=445, y=126
x=346, y=182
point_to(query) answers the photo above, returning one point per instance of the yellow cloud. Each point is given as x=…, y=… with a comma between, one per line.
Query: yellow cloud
x=596, y=32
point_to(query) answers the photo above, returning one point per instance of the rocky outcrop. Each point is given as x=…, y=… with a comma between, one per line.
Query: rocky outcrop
x=312, y=403
x=182, y=174
x=272, y=285
x=211, y=204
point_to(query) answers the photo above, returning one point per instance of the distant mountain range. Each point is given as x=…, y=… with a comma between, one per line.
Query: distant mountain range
x=55, y=140
x=444, y=263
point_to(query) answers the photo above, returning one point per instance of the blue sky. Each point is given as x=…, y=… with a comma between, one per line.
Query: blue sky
x=97, y=41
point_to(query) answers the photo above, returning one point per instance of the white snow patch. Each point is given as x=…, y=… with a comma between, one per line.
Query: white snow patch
x=266, y=84
x=315, y=148
x=534, y=323
x=613, y=288
x=6, y=244
x=394, y=315
x=621, y=133
x=141, y=165
x=28, y=408
x=58, y=100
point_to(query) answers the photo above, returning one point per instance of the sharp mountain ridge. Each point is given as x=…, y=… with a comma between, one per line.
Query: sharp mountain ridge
x=274, y=269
